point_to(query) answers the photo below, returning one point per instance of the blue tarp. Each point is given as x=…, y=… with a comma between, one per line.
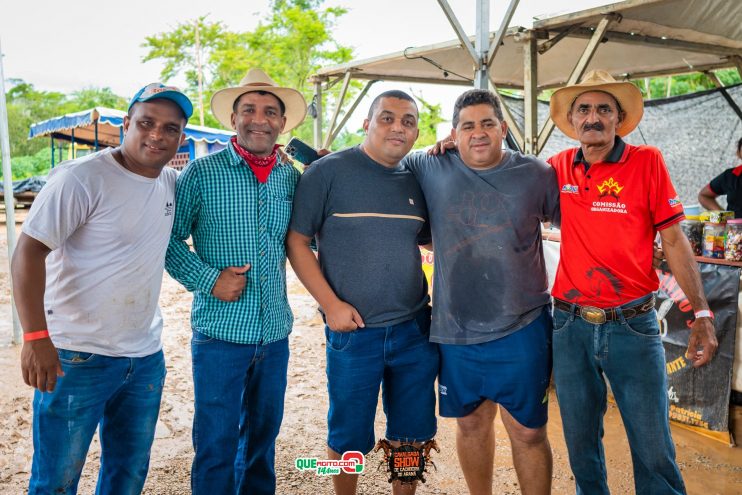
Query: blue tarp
x=31, y=184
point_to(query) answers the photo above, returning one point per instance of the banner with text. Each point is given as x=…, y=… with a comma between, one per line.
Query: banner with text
x=699, y=397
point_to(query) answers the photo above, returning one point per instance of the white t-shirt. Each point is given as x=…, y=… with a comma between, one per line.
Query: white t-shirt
x=108, y=230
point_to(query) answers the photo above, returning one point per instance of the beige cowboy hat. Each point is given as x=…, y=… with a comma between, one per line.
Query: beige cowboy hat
x=257, y=80
x=627, y=95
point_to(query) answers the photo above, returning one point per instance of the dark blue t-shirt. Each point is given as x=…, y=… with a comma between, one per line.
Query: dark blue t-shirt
x=490, y=277
x=368, y=220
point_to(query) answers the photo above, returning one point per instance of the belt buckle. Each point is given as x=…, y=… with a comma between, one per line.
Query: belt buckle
x=593, y=315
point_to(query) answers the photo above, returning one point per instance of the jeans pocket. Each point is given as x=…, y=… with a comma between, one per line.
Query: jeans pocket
x=645, y=325
x=561, y=320
x=201, y=338
x=74, y=357
x=338, y=341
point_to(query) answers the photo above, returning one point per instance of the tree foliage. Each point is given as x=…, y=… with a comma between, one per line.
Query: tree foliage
x=27, y=105
x=180, y=53
x=177, y=48
x=663, y=87
x=430, y=117
x=293, y=41
x=31, y=165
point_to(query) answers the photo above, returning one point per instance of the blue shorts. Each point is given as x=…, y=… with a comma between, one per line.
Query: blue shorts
x=400, y=359
x=513, y=371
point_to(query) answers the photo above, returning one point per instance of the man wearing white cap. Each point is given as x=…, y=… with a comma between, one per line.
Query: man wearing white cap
x=236, y=206
x=604, y=318
x=87, y=273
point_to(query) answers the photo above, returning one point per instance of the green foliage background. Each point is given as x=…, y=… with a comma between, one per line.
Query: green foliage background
x=27, y=105
x=292, y=42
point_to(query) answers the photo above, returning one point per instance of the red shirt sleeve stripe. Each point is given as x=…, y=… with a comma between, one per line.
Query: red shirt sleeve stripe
x=666, y=223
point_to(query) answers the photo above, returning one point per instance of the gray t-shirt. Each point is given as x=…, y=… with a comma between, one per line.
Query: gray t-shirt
x=368, y=220
x=490, y=276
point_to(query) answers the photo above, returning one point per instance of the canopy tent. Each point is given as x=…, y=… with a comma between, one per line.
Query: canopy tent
x=631, y=39
x=101, y=126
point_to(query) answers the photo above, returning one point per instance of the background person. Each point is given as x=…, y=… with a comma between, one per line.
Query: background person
x=728, y=183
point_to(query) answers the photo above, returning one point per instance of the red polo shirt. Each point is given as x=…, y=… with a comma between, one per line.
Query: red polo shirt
x=611, y=212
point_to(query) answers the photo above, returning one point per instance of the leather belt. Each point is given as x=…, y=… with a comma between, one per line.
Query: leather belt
x=598, y=316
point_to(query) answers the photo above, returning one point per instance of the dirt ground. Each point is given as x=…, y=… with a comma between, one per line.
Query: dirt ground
x=708, y=466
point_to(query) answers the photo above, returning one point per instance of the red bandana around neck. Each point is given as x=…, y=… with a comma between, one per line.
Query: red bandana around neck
x=261, y=166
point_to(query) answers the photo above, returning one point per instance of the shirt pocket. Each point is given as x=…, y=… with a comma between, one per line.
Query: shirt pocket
x=279, y=215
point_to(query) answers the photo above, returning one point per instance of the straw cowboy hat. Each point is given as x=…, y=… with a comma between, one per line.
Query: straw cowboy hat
x=257, y=80
x=627, y=95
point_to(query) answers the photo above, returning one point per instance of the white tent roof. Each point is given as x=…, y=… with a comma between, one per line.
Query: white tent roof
x=647, y=37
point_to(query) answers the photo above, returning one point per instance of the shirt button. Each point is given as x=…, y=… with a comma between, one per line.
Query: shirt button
x=262, y=252
x=260, y=202
x=262, y=228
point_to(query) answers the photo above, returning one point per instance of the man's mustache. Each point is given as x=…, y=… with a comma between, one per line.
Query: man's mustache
x=597, y=126
x=259, y=128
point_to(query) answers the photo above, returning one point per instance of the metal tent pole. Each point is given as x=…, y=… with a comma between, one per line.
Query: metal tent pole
x=8, y=190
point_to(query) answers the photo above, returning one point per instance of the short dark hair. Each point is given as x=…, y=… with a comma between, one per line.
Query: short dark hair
x=263, y=93
x=392, y=93
x=476, y=97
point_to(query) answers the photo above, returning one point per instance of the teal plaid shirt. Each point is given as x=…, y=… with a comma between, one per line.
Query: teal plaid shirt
x=233, y=220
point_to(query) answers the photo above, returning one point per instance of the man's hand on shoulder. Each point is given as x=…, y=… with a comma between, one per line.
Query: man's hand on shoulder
x=442, y=146
x=40, y=364
x=230, y=283
x=342, y=317
x=702, y=343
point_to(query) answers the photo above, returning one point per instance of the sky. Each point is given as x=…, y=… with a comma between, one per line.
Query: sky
x=66, y=46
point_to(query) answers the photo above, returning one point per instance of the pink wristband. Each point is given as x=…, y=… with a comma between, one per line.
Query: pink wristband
x=38, y=335
x=704, y=313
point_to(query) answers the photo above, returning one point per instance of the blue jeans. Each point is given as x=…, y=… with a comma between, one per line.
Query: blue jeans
x=119, y=394
x=630, y=355
x=399, y=358
x=239, y=390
